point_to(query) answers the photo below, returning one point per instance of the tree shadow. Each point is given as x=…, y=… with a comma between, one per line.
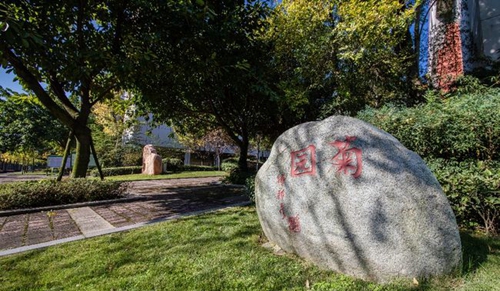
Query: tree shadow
x=475, y=251
x=183, y=200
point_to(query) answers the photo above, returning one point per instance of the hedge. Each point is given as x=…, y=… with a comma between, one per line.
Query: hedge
x=173, y=164
x=198, y=168
x=50, y=192
x=117, y=171
x=462, y=127
x=473, y=189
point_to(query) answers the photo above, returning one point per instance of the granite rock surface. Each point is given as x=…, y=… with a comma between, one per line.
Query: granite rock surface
x=350, y=197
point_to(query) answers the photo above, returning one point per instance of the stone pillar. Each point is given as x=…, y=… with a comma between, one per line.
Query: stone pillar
x=151, y=161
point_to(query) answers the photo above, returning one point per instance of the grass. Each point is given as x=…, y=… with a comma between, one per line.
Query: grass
x=43, y=173
x=216, y=251
x=193, y=174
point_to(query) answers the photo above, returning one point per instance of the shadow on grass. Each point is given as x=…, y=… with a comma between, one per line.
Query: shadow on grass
x=475, y=250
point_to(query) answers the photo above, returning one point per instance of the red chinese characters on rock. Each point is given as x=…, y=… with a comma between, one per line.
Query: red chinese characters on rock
x=304, y=161
x=281, y=194
x=281, y=180
x=348, y=159
x=282, y=210
x=294, y=223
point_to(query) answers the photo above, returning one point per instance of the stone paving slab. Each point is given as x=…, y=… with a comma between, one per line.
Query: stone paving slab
x=88, y=221
x=38, y=230
x=63, y=225
x=12, y=233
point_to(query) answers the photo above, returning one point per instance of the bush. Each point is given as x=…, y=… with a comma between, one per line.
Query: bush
x=229, y=164
x=118, y=171
x=198, y=168
x=50, y=192
x=250, y=188
x=132, y=156
x=462, y=127
x=173, y=164
x=473, y=189
x=238, y=177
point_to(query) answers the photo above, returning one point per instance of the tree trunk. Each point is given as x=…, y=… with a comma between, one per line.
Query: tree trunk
x=82, y=159
x=101, y=175
x=242, y=162
x=65, y=157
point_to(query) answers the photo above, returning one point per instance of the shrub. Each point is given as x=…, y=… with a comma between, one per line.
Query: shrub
x=117, y=171
x=132, y=156
x=49, y=192
x=473, y=189
x=462, y=127
x=250, y=188
x=173, y=164
x=229, y=164
x=238, y=177
x=198, y=168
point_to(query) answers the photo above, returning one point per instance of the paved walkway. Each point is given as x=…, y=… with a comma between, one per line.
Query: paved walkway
x=158, y=200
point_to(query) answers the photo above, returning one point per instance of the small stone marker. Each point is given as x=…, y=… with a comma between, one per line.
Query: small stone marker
x=350, y=197
x=151, y=161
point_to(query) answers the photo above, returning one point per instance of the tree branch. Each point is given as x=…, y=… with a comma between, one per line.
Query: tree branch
x=102, y=95
x=61, y=95
x=23, y=73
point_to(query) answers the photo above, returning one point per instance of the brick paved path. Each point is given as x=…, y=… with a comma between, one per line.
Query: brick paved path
x=162, y=198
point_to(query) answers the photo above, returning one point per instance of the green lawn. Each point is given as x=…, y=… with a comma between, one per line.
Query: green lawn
x=216, y=251
x=193, y=174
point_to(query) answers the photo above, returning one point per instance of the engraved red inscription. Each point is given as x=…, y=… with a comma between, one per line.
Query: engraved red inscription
x=282, y=210
x=294, y=223
x=281, y=194
x=348, y=159
x=281, y=179
x=304, y=161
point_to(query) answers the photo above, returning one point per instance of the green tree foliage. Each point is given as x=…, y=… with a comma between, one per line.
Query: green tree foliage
x=344, y=54
x=210, y=70
x=27, y=128
x=110, y=119
x=70, y=54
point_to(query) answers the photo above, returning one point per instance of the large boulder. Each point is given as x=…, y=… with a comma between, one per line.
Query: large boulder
x=151, y=161
x=350, y=197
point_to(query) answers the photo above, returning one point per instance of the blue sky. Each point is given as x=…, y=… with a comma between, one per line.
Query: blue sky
x=7, y=81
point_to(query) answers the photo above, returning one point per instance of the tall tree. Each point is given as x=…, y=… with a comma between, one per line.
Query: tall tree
x=344, y=55
x=70, y=54
x=215, y=74
x=110, y=120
